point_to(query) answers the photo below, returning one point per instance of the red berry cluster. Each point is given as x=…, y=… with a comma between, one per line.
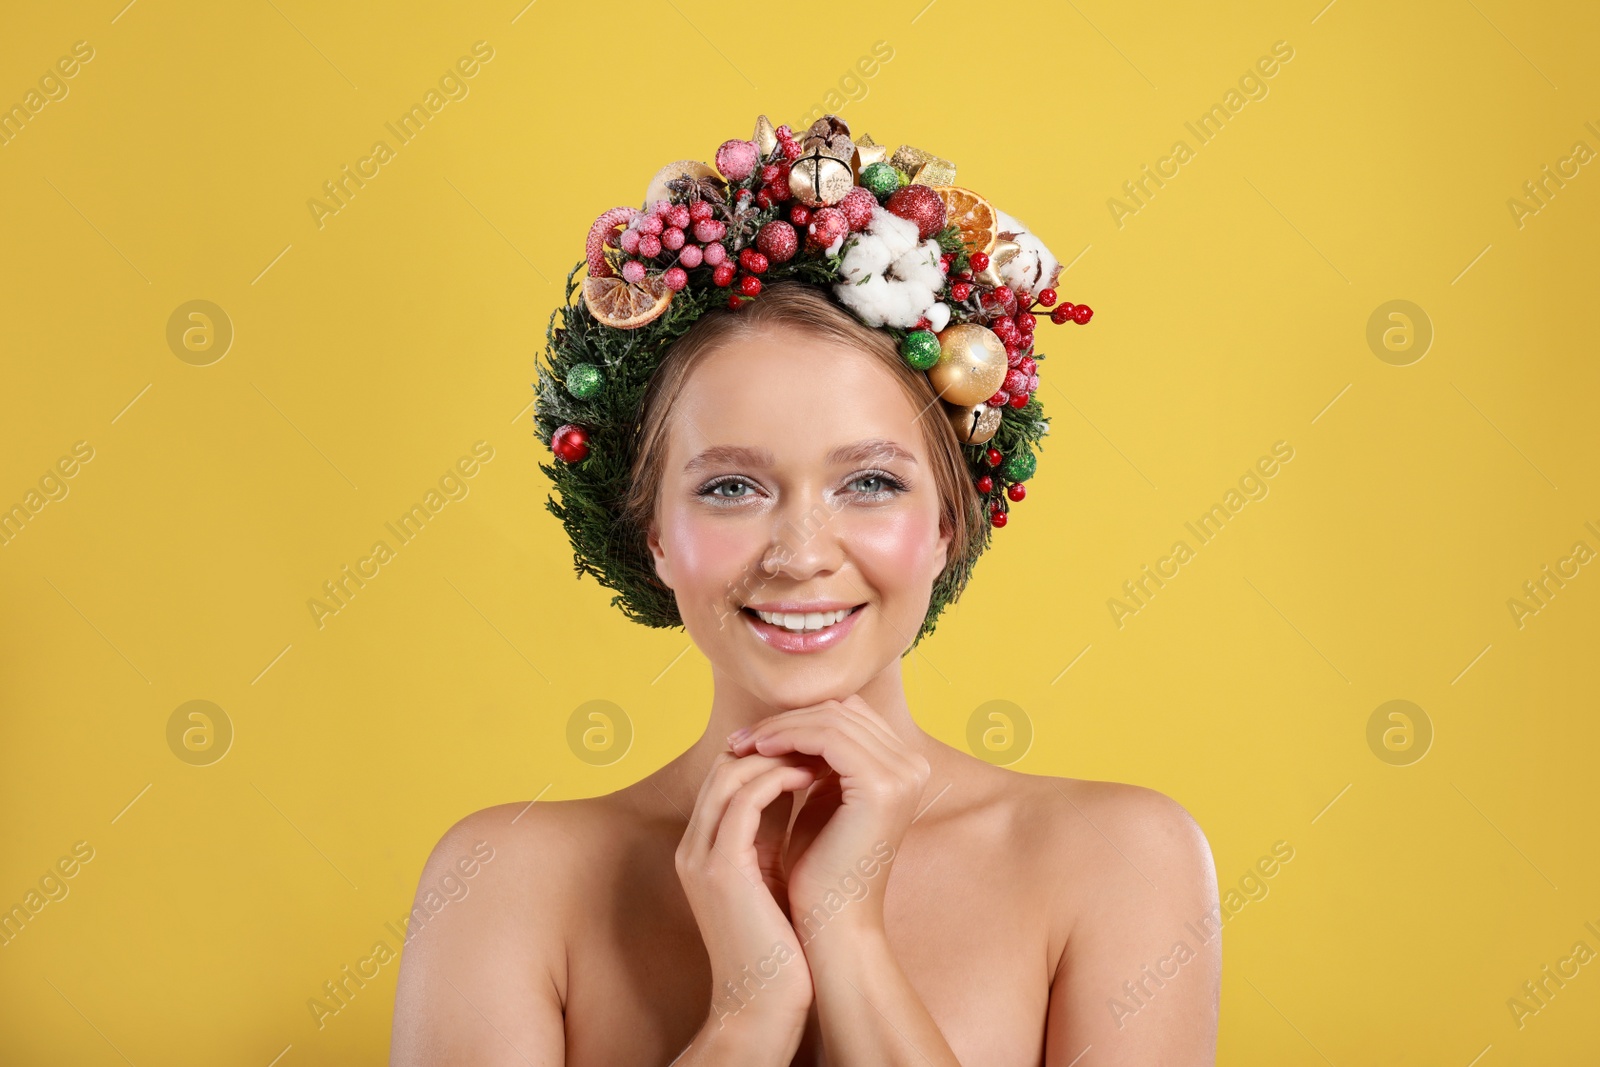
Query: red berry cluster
x=985, y=485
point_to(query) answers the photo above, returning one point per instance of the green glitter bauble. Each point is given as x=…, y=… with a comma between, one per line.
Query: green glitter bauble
x=920, y=349
x=880, y=179
x=585, y=380
x=1019, y=466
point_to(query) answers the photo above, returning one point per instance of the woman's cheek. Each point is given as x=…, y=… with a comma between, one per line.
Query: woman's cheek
x=708, y=555
x=894, y=547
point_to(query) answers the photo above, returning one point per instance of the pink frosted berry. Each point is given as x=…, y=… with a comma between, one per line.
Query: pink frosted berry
x=630, y=242
x=709, y=230
x=736, y=160
x=715, y=254
x=672, y=238
x=678, y=216
x=691, y=256
x=675, y=278
x=633, y=272
x=699, y=210
x=649, y=246
x=652, y=224
x=1033, y=383
x=660, y=208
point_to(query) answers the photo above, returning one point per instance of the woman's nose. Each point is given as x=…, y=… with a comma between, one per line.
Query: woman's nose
x=805, y=539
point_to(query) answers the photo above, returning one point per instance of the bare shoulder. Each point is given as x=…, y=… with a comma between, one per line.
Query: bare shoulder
x=1137, y=926
x=1153, y=837
x=483, y=972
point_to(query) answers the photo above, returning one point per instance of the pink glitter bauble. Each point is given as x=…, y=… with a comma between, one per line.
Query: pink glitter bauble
x=736, y=160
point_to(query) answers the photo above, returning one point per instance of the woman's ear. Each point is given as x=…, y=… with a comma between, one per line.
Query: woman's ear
x=663, y=565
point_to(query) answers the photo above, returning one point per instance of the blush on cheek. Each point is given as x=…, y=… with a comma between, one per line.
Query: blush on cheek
x=894, y=549
x=709, y=560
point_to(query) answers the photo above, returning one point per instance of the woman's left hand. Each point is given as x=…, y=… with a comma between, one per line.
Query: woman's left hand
x=854, y=819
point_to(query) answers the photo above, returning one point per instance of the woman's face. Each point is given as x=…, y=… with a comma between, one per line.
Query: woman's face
x=797, y=481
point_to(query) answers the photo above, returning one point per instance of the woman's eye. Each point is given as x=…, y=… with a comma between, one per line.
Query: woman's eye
x=713, y=490
x=878, y=484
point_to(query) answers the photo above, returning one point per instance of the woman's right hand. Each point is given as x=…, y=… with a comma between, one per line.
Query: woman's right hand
x=730, y=864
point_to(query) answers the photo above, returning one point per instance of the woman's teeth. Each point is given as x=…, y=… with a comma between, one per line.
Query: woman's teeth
x=796, y=623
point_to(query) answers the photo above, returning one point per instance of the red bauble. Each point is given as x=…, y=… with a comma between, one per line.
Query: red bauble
x=1015, y=382
x=734, y=302
x=827, y=226
x=750, y=285
x=777, y=241
x=997, y=519
x=570, y=443
x=1021, y=399
x=1047, y=297
x=752, y=261
x=858, y=205
x=985, y=484
x=993, y=457
x=1026, y=322
x=1016, y=491
x=723, y=274
x=979, y=261
x=1029, y=366
x=961, y=290
x=1082, y=313
x=921, y=205
x=800, y=215
x=1061, y=314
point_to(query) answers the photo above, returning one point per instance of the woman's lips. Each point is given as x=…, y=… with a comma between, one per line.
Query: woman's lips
x=815, y=641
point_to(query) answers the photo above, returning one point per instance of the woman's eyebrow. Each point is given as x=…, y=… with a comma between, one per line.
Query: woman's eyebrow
x=739, y=455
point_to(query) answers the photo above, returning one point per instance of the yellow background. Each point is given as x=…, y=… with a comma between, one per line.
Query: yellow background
x=369, y=354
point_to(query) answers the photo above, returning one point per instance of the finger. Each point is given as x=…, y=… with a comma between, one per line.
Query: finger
x=736, y=833
x=864, y=712
x=727, y=775
x=822, y=715
x=847, y=751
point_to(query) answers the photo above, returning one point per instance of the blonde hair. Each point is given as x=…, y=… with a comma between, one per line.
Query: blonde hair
x=807, y=309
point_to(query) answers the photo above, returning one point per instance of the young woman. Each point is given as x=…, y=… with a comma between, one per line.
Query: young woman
x=815, y=880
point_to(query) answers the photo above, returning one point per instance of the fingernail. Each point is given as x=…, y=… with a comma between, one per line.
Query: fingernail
x=738, y=735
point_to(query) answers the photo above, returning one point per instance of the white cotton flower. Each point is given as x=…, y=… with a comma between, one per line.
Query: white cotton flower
x=938, y=317
x=887, y=276
x=1032, y=269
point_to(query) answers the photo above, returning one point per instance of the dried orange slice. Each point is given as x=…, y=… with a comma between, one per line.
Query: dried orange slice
x=613, y=300
x=972, y=215
x=623, y=305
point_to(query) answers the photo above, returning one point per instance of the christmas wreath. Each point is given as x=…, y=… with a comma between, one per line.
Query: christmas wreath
x=890, y=237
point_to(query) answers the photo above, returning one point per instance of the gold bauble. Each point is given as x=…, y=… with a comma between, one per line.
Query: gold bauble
x=974, y=423
x=1002, y=253
x=766, y=138
x=683, y=168
x=818, y=180
x=972, y=364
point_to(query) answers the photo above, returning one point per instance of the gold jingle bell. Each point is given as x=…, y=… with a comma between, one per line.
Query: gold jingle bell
x=823, y=174
x=975, y=423
x=972, y=364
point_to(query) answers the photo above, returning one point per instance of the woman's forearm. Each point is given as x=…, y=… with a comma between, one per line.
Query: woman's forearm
x=869, y=1013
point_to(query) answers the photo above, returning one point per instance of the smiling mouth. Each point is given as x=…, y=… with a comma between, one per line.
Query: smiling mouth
x=808, y=623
